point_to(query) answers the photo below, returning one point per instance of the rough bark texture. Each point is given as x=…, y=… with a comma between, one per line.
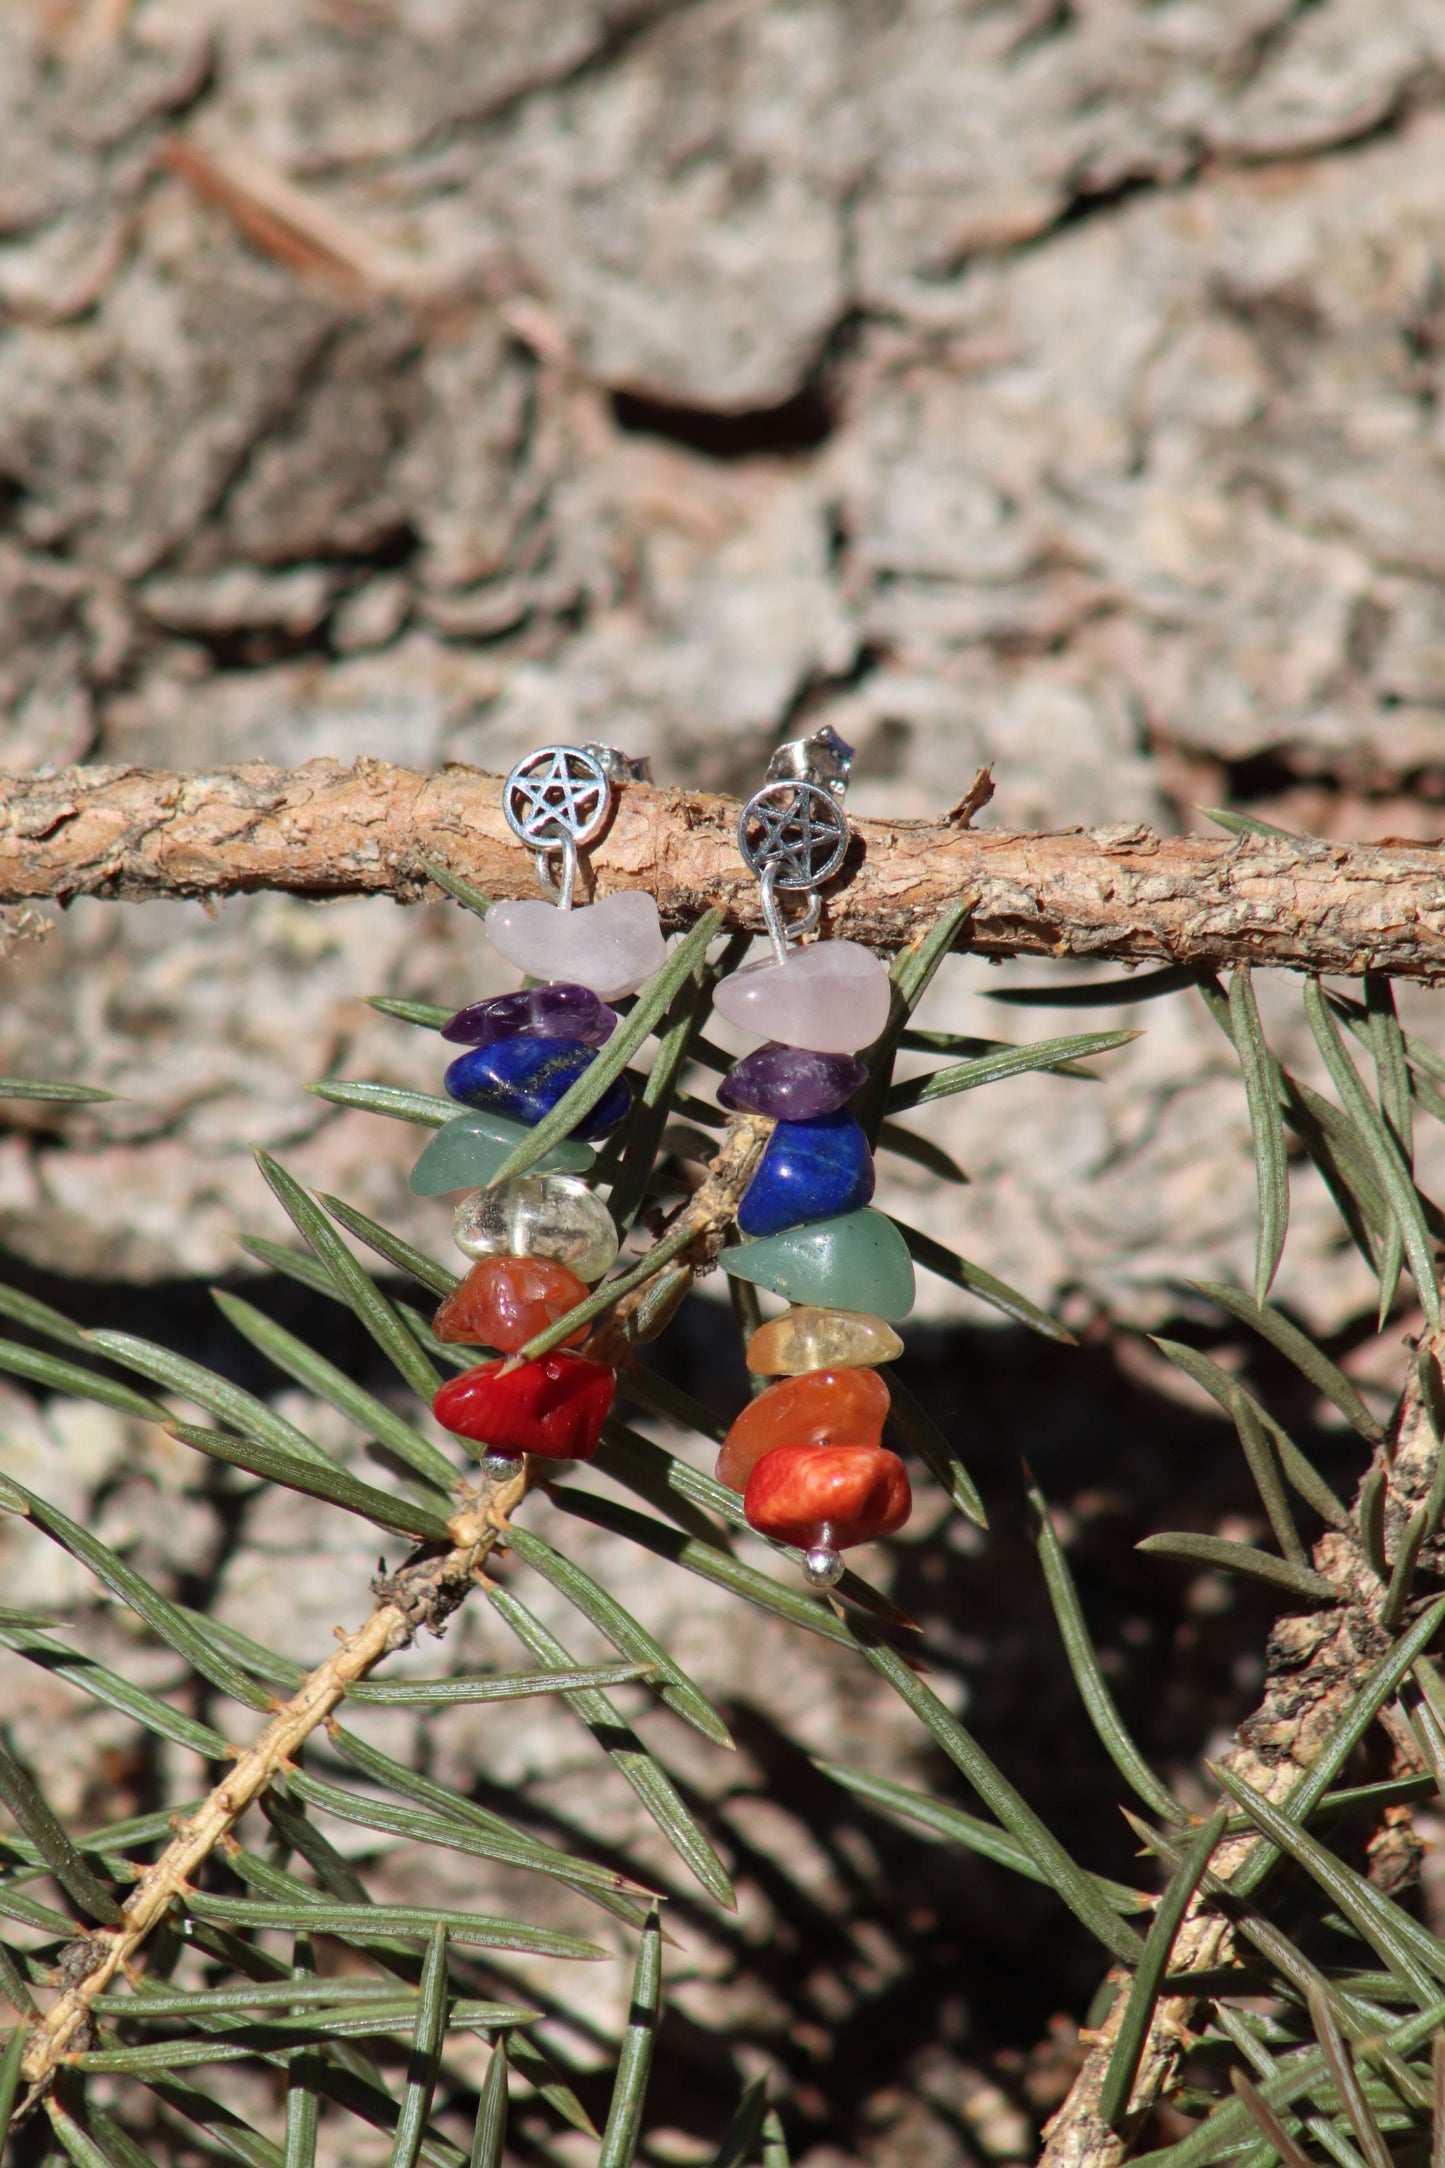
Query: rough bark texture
x=1055, y=385
x=1121, y=893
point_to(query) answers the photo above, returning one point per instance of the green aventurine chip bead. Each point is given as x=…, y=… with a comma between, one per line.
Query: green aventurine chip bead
x=465, y=1153
x=854, y=1261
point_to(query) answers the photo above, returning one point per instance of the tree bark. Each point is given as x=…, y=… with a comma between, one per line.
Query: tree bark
x=1122, y=894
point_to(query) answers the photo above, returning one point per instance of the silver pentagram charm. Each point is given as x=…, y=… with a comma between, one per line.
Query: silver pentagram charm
x=796, y=831
x=559, y=794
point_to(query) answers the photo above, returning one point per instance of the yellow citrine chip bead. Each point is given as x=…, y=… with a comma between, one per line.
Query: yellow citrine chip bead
x=811, y=1339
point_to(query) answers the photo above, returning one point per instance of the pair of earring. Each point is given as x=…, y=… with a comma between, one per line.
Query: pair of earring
x=806, y=1453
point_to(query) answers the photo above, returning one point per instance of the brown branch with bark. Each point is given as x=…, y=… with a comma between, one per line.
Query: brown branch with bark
x=424, y=1593
x=1122, y=894
x=1316, y=1663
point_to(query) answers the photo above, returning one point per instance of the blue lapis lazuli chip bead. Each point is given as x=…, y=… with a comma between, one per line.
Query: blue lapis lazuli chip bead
x=525, y=1077
x=811, y=1170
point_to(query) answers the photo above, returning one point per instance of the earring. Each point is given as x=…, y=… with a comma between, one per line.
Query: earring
x=538, y=1238
x=807, y=1452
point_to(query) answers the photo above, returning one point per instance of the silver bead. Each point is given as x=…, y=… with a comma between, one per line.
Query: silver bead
x=822, y=1567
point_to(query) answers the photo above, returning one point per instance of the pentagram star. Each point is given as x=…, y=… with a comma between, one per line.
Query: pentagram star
x=792, y=840
x=550, y=798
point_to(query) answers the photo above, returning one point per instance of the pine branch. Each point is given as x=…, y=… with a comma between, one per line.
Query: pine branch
x=1318, y=1663
x=370, y=828
x=423, y=1593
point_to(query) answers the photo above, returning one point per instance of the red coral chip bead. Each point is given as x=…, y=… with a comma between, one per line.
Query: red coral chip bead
x=837, y=1495
x=504, y=1300
x=555, y=1406
x=821, y=1407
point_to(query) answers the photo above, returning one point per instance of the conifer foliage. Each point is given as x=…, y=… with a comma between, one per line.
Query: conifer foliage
x=1260, y=1983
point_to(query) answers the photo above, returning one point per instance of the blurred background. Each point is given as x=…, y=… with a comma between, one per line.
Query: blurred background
x=1050, y=383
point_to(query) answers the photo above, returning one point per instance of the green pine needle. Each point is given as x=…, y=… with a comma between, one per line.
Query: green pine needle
x=1089, y=1678
x=1144, y=1989
x=37, y=1088
x=1262, y=1091
x=490, y=2136
x=1311, y=1361
x=1055, y=1865
x=1245, y=824
x=10, y=2076
x=578, y=1101
x=634, y=2065
x=741, y=2139
x=428, y=2036
x=656, y=1790
x=425, y=1109
x=984, y=1838
x=1230, y=1557
x=966, y=1076
x=1390, y=1169
x=624, y=1632
x=959, y=1272
x=352, y=1922
x=458, y=887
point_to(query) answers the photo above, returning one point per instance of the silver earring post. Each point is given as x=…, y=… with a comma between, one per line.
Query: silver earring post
x=793, y=832
x=559, y=799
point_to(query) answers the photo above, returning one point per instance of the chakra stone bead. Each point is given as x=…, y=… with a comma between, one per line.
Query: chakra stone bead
x=833, y=1495
x=469, y=1149
x=547, y=1215
x=610, y=946
x=832, y=996
x=827, y=1407
x=790, y=1082
x=555, y=1406
x=858, y=1261
x=810, y=1170
x=547, y=1012
x=526, y=1077
x=810, y=1339
x=503, y=1301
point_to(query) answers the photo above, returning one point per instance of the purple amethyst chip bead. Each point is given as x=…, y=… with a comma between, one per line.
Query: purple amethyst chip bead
x=791, y=1082
x=544, y=1012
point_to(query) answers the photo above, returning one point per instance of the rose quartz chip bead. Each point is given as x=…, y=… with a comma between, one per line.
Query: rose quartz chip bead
x=610, y=946
x=831, y=997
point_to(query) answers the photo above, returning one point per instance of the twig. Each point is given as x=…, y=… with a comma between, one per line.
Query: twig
x=286, y=222
x=1108, y=893
x=708, y=1214
x=1316, y=1663
x=424, y=1593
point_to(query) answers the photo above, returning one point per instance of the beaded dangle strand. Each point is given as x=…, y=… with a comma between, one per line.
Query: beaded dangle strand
x=537, y=1239
x=806, y=1453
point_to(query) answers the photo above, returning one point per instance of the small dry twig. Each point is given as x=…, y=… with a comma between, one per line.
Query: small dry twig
x=423, y=1594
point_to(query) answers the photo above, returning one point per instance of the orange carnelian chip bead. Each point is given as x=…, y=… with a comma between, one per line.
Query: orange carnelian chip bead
x=503, y=1301
x=823, y=1407
x=836, y=1495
